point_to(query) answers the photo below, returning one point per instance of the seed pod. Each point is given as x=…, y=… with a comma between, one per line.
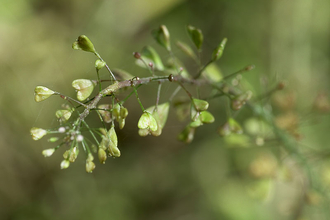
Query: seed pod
x=84, y=88
x=41, y=93
x=83, y=43
x=217, y=53
x=196, y=36
x=162, y=36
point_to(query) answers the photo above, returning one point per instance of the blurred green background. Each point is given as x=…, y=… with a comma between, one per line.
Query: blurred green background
x=158, y=178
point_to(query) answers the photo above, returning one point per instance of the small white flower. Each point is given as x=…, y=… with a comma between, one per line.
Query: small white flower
x=61, y=129
x=79, y=138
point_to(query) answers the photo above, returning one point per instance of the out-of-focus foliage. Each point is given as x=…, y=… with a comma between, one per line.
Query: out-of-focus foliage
x=240, y=177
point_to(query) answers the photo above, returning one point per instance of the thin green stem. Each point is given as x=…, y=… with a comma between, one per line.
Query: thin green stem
x=245, y=69
x=69, y=98
x=99, y=80
x=106, y=66
x=158, y=95
x=137, y=97
x=91, y=132
x=202, y=69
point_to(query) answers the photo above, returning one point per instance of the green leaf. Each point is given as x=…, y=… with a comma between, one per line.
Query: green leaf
x=83, y=43
x=217, y=53
x=162, y=36
x=196, y=36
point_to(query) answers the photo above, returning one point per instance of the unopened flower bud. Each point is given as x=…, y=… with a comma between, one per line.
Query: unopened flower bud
x=90, y=166
x=99, y=64
x=137, y=55
x=53, y=139
x=65, y=164
x=48, y=152
x=113, y=143
x=102, y=155
x=37, y=133
x=41, y=93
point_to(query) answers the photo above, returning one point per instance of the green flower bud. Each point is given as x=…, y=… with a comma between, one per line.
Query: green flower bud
x=37, y=133
x=48, y=152
x=217, y=53
x=121, y=123
x=83, y=43
x=102, y=155
x=41, y=93
x=196, y=36
x=113, y=143
x=162, y=36
x=90, y=165
x=84, y=88
x=147, y=121
x=206, y=117
x=99, y=64
x=187, y=135
x=116, y=111
x=65, y=164
x=123, y=112
x=200, y=105
x=63, y=115
x=53, y=139
x=90, y=157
